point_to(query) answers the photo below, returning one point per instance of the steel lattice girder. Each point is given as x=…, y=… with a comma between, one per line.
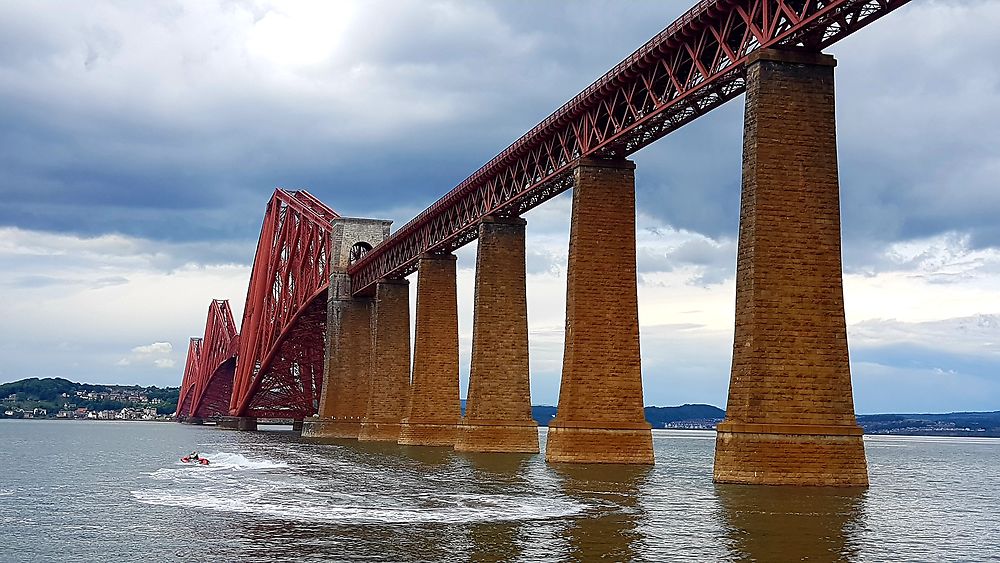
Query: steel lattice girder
x=290, y=385
x=694, y=65
x=290, y=272
x=214, y=401
x=218, y=350
x=190, y=380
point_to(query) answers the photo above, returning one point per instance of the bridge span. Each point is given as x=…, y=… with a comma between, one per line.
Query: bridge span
x=325, y=334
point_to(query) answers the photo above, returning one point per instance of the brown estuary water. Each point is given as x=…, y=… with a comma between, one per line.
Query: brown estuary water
x=108, y=491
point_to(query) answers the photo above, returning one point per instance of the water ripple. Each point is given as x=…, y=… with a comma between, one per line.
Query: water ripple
x=112, y=491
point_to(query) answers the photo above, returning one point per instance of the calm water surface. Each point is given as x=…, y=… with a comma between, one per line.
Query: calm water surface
x=88, y=491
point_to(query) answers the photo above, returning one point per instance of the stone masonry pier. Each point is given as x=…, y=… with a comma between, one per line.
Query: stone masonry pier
x=390, y=380
x=790, y=415
x=434, y=408
x=600, y=417
x=498, y=410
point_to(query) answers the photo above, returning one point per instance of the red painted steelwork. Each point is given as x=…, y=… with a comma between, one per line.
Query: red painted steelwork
x=214, y=401
x=218, y=359
x=694, y=65
x=190, y=379
x=280, y=367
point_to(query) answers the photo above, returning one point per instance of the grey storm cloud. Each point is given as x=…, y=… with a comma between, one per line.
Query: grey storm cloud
x=154, y=120
x=141, y=141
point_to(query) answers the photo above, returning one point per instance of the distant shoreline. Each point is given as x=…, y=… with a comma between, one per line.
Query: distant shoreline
x=908, y=433
x=54, y=419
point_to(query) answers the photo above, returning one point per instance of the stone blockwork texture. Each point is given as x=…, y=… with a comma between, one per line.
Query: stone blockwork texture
x=390, y=382
x=347, y=371
x=322, y=430
x=790, y=361
x=498, y=411
x=246, y=423
x=348, y=231
x=344, y=397
x=600, y=417
x=434, y=408
x=338, y=291
x=600, y=445
x=790, y=459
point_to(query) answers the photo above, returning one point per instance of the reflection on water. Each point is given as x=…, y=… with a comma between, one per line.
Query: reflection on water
x=609, y=531
x=491, y=467
x=269, y=497
x=429, y=456
x=264, y=539
x=495, y=542
x=495, y=473
x=766, y=523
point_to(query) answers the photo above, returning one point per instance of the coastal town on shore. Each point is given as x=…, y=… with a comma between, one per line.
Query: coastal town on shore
x=64, y=400
x=82, y=413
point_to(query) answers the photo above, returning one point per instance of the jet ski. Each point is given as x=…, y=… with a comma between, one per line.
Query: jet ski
x=198, y=460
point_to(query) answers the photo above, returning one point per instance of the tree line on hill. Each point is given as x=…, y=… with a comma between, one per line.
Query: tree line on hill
x=692, y=416
x=55, y=394
x=983, y=424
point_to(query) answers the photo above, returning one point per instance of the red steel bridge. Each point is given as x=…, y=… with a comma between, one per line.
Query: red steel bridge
x=274, y=368
x=280, y=350
x=211, y=362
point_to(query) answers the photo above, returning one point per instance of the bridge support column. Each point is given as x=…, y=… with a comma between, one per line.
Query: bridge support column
x=390, y=387
x=600, y=417
x=498, y=411
x=244, y=423
x=434, y=408
x=790, y=415
x=344, y=398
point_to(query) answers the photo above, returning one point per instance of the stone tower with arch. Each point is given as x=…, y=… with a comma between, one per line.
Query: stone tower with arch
x=350, y=240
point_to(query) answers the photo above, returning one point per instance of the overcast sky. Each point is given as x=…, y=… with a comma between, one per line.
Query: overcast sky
x=140, y=142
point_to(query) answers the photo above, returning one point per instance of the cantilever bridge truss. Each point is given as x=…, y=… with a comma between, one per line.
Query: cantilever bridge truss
x=218, y=362
x=280, y=368
x=693, y=66
x=191, y=378
x=208, y=374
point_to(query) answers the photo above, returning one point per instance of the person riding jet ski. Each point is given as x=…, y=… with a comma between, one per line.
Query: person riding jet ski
x=193, y=457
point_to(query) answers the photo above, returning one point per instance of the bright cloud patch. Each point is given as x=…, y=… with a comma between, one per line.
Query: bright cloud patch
x=156, y=354
x=112, y=309
x=153, y=349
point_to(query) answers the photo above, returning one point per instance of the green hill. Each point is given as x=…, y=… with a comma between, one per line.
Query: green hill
x=657, y=416
x=56, y=393
x=986, y=424
x=49, y=389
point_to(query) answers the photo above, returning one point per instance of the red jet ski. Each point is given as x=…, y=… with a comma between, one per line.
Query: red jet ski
x=199, y=460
